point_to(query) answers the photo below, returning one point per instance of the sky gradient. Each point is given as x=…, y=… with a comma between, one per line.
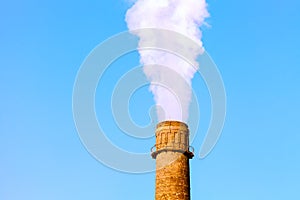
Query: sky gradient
x=255, y=45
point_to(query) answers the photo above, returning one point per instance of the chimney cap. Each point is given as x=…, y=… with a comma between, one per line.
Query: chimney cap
x=171, y=123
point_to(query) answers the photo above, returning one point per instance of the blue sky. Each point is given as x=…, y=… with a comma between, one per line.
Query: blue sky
x=256, y=47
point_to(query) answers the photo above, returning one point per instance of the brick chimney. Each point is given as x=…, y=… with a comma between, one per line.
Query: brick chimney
x=172, y=161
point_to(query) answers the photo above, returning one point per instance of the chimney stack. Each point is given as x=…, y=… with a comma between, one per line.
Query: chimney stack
x=172, y=161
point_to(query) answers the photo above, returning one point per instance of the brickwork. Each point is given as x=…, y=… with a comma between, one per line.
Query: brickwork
x=172, y=161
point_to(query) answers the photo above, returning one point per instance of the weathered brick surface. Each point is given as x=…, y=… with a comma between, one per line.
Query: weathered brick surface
x=172, y=165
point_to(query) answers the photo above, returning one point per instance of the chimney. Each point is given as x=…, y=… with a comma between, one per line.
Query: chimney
x=172, y=161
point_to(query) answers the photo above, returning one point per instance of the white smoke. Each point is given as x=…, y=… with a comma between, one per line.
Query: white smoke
x=182, y=16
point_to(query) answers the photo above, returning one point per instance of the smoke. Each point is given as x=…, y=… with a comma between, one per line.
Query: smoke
x=171, y=93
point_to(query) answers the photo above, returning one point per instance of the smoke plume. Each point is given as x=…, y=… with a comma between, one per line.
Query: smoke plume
x=173, y=95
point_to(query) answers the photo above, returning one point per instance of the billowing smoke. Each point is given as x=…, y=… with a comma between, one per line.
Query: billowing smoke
x=173, y=95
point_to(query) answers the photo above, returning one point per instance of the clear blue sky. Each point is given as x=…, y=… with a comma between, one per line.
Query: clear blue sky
x=43, y=43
